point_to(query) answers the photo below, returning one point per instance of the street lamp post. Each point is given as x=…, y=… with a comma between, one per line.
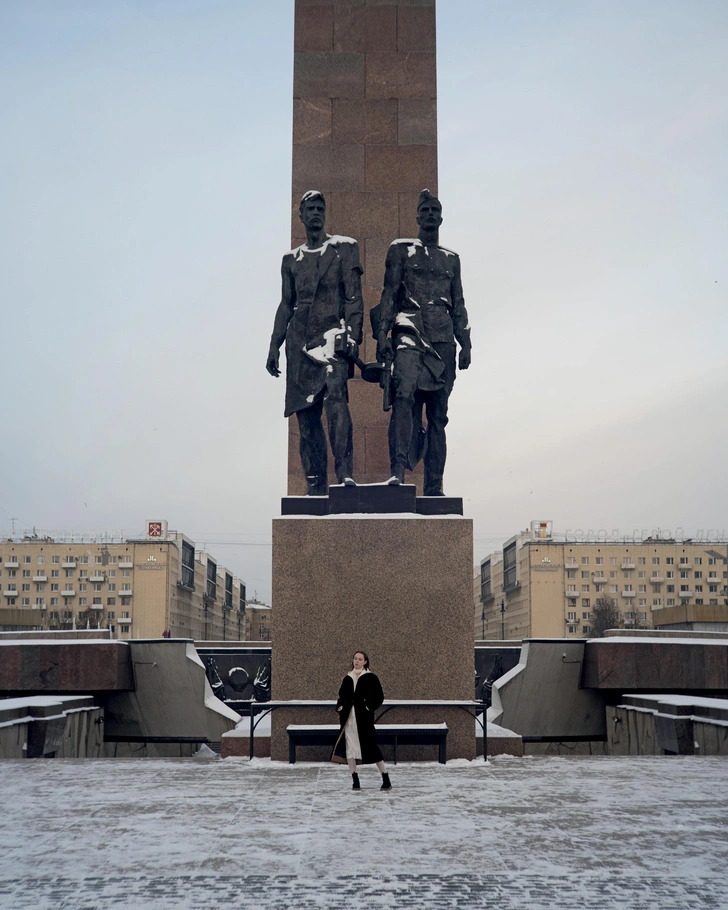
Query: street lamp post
x=482, y=619
x=503, y=620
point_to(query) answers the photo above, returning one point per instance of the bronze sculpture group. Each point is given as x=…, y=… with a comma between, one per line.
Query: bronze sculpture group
x=416, y=325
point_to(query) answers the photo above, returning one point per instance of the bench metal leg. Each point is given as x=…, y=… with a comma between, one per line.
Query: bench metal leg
x=395, y=750
x=442, y=752
x=291, y=751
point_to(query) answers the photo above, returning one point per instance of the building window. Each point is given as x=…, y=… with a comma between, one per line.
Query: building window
x=572, y=629
x=112, y=559
x=112, y=586
x=698, y=560
x=97, y=586
x=69, y=573
x=642, y=616
x=112, y=615
x=97, y=601
x=55, y=573
x=83, y=573
x=642, y=575
x=26, y=560
x=656, y=561
x=572, y=616
x=641, y=560
x=684, y=561
x=585, y=629
x=188, y=565
x=25, y=601
x=125, y=615
x=684, y=589
x=713, y=602
x=585, y=614
x=26, y=573
x=599, y=560
x=713, y=589
x=684, y=574
x=126, y=601
x=83, y=587
x=656, y=601
x=84, y=560
x=671, y=589
x=98, y=560
x=670, y=561
x=699, y=601
x=613, y=589
x=126, y=573
x=56, y=560
x=54, y=587
x=585, y=575
x=642, y=601
x=228, y=590
x=585, y=589
x=642, y=589
x=112, y=573
x=698, y=589
x=25, y=587
x=612, y=560
x=571, y=573
x=697, y=574
x=669, y=573
x=111, y=601
x=585, y=560
x=509, y=567
x=571, y=587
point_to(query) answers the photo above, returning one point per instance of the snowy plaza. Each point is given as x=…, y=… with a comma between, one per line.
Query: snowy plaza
x=531, y=833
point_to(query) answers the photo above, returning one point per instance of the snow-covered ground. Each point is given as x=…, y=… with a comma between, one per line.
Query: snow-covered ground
x=531, y=833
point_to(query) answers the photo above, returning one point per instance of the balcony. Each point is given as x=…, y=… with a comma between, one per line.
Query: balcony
x=96, y=607
x=124, y=622
x=628, y=565
x=40, y=578
x=69, y=592
x=125, y=564
x=628, y=593
x=39, y=607
x=572, y=594
x=571, y=565
x=599, y=579
x=69, y=563
x=685, y=595
x=11, y=563
x=656, y=579
x=124, y=593
x=10, y=593
x=97, y=576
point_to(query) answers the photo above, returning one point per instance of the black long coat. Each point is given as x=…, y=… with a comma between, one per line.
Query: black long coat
x=365, y=700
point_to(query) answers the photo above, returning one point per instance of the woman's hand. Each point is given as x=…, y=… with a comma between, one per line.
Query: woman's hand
x=340, y=707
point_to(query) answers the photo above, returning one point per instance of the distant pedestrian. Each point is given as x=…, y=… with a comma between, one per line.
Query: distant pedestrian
x=357, y=743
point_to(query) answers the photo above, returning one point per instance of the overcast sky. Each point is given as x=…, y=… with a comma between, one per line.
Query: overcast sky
x=145, y=181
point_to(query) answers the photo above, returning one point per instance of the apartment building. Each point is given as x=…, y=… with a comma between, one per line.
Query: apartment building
x=157, y=585
x=538, y=586
x=258, y=625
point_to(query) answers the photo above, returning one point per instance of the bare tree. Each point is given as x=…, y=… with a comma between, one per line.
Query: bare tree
x=605, y=615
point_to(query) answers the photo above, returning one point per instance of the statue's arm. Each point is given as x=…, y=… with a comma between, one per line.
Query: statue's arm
x=353, y=300
x=460, y=323
x=387, y=306
x=283, y=317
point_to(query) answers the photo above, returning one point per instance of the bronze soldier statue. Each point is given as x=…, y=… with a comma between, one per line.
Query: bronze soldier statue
x=320, y=318
x=422, y=306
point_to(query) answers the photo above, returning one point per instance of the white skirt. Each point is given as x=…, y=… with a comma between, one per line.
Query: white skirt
x=353, y=747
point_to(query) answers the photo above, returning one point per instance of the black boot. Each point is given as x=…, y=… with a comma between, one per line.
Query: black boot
x=355, y=785
x=386, y=782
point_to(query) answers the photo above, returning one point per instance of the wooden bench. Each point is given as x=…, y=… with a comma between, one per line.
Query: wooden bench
x=387, y=735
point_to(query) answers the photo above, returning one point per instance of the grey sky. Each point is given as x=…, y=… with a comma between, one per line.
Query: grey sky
x=145, y=178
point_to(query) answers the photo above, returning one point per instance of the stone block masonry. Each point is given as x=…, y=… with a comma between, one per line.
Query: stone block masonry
x=365, y=134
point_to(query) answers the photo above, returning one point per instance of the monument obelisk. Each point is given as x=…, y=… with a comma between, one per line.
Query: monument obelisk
x=365, y=135
x=396, y=582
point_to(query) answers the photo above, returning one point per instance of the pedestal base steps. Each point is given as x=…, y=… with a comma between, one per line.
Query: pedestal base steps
x=399, y=588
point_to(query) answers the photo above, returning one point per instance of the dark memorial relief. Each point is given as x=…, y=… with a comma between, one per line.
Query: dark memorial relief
x=421, y=316
x=320, y=319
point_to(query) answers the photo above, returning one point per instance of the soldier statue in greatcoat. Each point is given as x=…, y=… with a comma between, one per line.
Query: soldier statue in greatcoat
x=320, y=318
x=421, y=316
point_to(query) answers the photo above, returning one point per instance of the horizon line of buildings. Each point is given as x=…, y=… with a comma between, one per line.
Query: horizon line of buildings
x=157, y=585
x=541, y=586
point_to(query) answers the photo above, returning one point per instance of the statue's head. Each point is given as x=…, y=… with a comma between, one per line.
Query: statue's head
x=312, y=209
x=429, y=211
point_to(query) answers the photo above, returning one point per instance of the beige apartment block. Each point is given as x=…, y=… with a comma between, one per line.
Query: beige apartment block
x=155, y=586
x=258, y=624
x=541, y=587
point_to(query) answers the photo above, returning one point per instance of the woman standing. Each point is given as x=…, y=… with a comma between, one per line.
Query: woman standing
x=357, y=742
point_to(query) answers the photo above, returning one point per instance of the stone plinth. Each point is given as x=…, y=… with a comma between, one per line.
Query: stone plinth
x=65, y=666
x=399, y=588
x=666, y=664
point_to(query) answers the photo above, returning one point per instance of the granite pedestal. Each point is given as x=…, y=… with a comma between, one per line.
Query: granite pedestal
x=398, y=586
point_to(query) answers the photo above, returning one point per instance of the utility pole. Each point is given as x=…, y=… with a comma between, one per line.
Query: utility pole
x=503, y=620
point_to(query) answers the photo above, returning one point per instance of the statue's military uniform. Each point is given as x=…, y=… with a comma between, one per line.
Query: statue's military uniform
x=321, y=306
x=423, y=307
